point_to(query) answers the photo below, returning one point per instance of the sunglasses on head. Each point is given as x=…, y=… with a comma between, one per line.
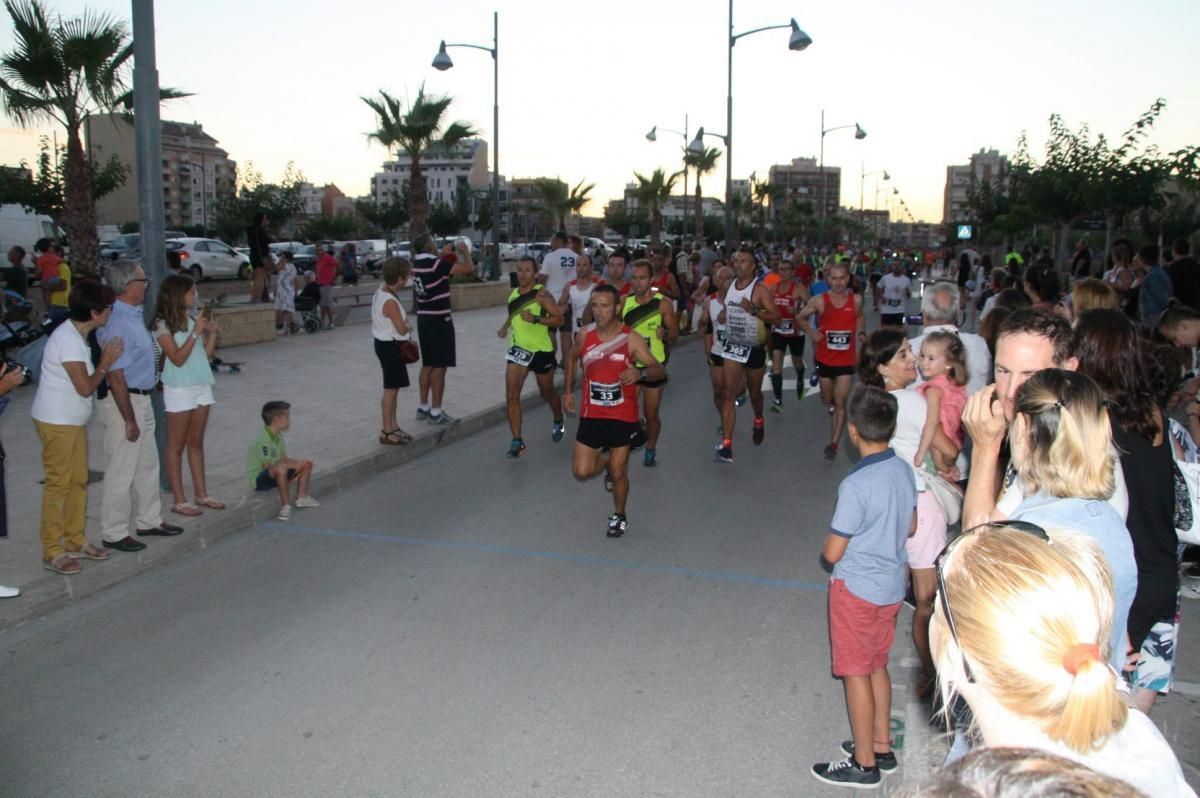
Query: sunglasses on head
x=1018, y=526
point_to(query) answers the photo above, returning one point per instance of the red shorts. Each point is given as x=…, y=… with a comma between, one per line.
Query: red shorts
x=860, y=633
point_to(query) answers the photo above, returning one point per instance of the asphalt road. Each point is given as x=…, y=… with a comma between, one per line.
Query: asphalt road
x=463, y=627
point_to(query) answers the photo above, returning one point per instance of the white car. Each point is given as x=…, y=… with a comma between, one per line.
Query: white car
x=206, y=258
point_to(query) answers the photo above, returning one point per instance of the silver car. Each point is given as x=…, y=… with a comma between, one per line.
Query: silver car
x=207, y=258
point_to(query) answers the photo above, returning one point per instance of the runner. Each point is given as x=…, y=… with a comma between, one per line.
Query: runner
x=615, y=276
x=650, y=314
x=532, y=314
x=661, y=278
x=789, y=296
x=713, y=326
x=840, y=316
x=748, y=309
x=558, y=268
x=576, y=297
x=894, y=287
x=609, y=411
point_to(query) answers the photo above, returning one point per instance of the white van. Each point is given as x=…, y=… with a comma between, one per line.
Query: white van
x=19, y=227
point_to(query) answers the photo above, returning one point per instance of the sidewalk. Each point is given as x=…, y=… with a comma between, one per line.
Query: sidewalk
x=333, y=382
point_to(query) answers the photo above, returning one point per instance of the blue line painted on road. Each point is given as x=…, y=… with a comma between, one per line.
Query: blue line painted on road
x=541, y=554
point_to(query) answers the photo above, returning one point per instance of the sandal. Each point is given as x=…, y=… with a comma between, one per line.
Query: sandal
x=396, y=437
x=89, y=552
x=186, y=508
x=210, y=503
x=62, y=564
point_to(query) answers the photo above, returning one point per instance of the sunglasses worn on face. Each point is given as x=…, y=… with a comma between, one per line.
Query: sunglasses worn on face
x=1018, y=526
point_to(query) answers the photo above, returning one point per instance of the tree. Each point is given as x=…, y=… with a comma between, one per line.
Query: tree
x=281, y=202
x=578, y=198
x=443, y=220
x=63, y=71
x=388, y=216
x=417, y=132
x=555, y=198
x=764, y=192
x=331, y=228
x=43, y=192
x=703, y=163
x=624, y=220
x=654, y=191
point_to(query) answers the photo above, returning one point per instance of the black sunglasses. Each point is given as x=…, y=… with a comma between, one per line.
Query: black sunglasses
x=1018, y=526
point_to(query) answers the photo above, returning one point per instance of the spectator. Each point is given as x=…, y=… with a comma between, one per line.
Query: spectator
x=1090, y=294
x=1017, y=773
x=61, y=410
x=435, y=327
x=995, y=286
x=1185, y=274
x=268, y=466
x=285, y=293
x=1120, y=273
x=939, y=312
x=1042, y=288
x=187, y=344
x=261, y=261
x=131, y=457
x=1081, y=260
x=55, y=277
x=1019, y=631
x=326, y=276
x=11, y=376
x=1154, y=289
x=349, y=258
x=15, y=277
x=708, y=256
x=390, y=329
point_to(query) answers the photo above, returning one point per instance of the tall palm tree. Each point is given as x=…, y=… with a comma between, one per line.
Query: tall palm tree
x=578, y=197
x=63, y=71
x=417, y=132
x=654, y=191
x=764, y=192
x=703, y=163
x=556, y=200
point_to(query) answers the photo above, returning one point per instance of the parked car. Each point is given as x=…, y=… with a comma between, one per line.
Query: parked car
x=403, y=249
x=508, y=251
x=536, y=250
x=305, y=257
x=129, y=245
x=593, y=245
x=207, y=258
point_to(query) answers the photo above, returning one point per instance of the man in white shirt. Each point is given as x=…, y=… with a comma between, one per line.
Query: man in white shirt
x=939, y=312
x=558, y=269
x=893, y=291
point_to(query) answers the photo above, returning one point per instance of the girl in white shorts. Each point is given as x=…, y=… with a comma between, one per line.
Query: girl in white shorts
x=187, y=345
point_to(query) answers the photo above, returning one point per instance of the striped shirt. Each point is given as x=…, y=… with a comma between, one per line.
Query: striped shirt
x=431, y=284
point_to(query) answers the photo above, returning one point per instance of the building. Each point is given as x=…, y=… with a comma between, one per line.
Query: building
x=463, y=169
x=985, y=166
x=195, y=171
x=803, y=181
x=17, y=172
x=876, y=224
x=926, y=235
x=327, y=200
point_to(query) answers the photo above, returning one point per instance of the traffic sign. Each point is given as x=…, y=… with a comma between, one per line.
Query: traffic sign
x=964, y=232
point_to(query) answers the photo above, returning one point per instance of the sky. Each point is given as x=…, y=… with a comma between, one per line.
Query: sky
x=931, y=81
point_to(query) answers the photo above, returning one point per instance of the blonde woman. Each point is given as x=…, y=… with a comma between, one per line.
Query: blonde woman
x=1018, y=632
x=1091, y=293
x=187, y=345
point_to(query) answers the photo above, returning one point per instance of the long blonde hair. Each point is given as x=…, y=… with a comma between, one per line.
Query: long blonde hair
x=1022, y=605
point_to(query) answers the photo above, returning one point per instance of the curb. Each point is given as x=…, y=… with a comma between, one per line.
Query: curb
x=50, y=592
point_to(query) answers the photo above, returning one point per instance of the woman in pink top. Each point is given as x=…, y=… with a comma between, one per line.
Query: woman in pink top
x=943, y=363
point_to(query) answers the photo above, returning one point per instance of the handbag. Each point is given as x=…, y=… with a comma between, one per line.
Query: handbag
x=409, y=352
x=948, y=495
x=1187, y=489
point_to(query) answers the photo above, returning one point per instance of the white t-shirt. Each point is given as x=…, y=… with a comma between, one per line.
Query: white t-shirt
x=57, y=401
x=910, y=422
x=895, y=292
x=559, y=268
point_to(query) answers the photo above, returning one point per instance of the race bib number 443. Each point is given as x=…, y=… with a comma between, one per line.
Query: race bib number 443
x=605, y=394
x=838, y=340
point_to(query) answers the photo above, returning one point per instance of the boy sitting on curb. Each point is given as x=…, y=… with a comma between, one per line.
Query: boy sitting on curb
x=268, y=466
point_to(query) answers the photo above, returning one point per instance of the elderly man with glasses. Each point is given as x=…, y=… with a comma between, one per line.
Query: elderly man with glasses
x=131, y=478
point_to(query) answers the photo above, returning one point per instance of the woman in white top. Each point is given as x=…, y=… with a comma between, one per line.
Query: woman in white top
x=61, y=410
x=1023, y=615
x=285, y=293
x=887, y=362
x=389, y=328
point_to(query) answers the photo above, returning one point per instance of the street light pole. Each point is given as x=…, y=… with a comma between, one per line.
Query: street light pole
x=859, y=134
x=653, y=136
x=862, y=176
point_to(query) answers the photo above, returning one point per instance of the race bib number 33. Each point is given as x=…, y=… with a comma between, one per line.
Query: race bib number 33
x=605, y=394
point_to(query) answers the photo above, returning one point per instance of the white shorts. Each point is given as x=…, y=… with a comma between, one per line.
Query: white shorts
x=189, y=397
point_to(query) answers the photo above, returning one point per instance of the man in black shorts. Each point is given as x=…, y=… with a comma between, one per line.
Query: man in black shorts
x=435, y=328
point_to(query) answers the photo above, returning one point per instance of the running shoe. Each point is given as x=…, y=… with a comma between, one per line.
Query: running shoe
x=831, y=452
x=800, y=386
x=608, y=481
x=741, y=400
x=724, y=454
x=885, y=762
x=759, y=431
x=776, y=406
x=442, y=419
x=638, y=439
x=515, y=449
x=558, y=431
x=617, y=525
x=813, y=380
x=847, y=773
x=650, y=458
x=423, y=415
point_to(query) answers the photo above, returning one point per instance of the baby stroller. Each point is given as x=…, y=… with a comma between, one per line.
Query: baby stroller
x=310, y=317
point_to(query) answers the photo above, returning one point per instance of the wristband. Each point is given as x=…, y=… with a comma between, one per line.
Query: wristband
x=643, y=373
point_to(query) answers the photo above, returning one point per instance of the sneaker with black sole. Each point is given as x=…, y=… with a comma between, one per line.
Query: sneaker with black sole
x=516, y=448
x=885, y=762
x=757, y=434
x=423, y=415
x=608, y=481
x=616, y=525
x=847, y=773
x=831, y=452
x=724, y=454
x=776, y=406
x=558, y=431
x=442, y=419
x=741, y=400
x=650, y=458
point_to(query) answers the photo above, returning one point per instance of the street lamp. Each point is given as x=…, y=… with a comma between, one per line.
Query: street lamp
x=859, y=134
x=862, y=176
x=653, y=136
x=442, y=62
x=798, y=40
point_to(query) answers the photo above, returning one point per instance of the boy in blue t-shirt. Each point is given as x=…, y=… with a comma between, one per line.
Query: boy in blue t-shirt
x=874, y=516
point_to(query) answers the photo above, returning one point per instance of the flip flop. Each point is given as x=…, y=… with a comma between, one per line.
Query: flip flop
x=186, y=508
x=396, y=437
x=62, y=565
x=210, y=503
x=89, y=552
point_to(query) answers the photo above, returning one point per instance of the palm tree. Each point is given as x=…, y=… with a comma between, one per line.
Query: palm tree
x=703, y=163
x=417, y=132
x=764, y=192
x=64, y=71
x=579, y=196
x=556, y=201
x=654, y=191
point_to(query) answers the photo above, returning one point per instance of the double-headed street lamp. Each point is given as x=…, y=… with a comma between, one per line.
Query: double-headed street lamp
x=653, y=136
x=442, y=62
x=859, y=134
x=862, y=176
x=799, y=40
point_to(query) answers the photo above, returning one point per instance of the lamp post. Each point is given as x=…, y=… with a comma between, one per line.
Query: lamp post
x=862, y=176
x=797, y=41
x=653, y=136
x=859, y=134
x=442, y=62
